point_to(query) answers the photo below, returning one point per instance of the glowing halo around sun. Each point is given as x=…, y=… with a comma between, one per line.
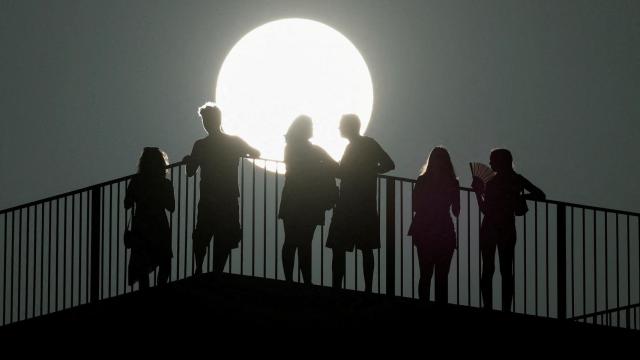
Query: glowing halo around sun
x=286, y=68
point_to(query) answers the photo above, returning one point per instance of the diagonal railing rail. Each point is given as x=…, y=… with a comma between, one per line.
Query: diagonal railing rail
x=572, y=261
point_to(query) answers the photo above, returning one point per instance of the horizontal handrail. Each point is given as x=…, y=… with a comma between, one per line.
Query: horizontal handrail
x=387, y=177
x=604, y=312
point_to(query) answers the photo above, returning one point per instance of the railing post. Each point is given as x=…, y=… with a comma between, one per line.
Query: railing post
x=391, y=232
x=95, y=244
x=561, y=225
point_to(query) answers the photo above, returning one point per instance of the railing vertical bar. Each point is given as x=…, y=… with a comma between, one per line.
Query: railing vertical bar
x=13, y=255
x=546, y=249
x=171, y=227
x=49, y=261
x=73, y=242
x=35, y=263
x=128, y=214
x=457, y=258
x=606, y=263
x=26, y=268
x=19, y=262
x=401, y=238
x=390, y=237
x=524, y=257
x=561, y=224
x=242, y=161
x=80, y=232
x=41, y=257
x=535, y=240
x=617, y=270
x=27, y=263
x=584, y=262
x=194, y=219
x=178, y=232
x=4, y=271
x=379, y=250
x=479, y=260
x=629, y=266
x=573, y=288
x=253, y=219
x=321, y=255
x=264, y=222
x=118, y=231
x=96, y=247
x=110, y=234
x=64, y=254
x=275, y=227
x=595, y=262
x=469, y=249
x=413, y=269
x=186, y=223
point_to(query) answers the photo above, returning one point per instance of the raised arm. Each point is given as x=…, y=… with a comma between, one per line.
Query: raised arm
x=385, y=163
x=128, y=197
x=192, y=161
x=478, y=188
x=331, y=165
x=455, y=200
x=248, y=150
x=534, y=193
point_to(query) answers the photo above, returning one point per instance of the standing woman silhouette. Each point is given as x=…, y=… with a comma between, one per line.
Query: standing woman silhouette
x=497, y=201
x=152, y=194
x=435, y=197
x=309, y=190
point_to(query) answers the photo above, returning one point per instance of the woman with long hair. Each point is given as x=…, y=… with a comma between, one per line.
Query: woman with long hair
x=309, y=190
x=435, y=197
x=150, y=194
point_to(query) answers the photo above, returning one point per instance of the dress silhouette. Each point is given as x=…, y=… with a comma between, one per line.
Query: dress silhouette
x=309, y=190
x=355, y=221
x=436, y=195
x=217, y=157
x=152, y=195
x=498, y=201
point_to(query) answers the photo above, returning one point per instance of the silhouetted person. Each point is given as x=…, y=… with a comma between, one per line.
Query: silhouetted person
x=497, y=201
x=309, y=190
x=355, y=219
x=152, y=194
x=435, y=196
x=217, y=157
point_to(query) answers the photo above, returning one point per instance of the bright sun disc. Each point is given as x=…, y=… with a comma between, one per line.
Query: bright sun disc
x=290, y=67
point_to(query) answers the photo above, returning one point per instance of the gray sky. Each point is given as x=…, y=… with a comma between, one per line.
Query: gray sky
x=86, y=84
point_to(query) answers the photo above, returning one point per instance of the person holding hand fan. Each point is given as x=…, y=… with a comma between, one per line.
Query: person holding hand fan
x=500, y=199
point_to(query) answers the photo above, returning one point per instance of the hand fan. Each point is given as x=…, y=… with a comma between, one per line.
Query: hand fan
x=482, y=171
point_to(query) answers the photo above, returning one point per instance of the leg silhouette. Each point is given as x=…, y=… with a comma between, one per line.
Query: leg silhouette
x=442, y=279
x=338, y=266
x=426, y=271
x=288, y=257
x=164, y=271
x=367, y=267
x=488, y=252
x=506, y=252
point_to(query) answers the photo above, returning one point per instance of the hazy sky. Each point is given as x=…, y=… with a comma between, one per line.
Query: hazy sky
x=85, y=85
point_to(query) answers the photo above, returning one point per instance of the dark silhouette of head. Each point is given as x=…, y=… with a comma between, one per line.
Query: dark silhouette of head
x=350, y=126
x=301, y=129
x=501, y=160
x=153, y=162
x=439, y=165
x=211, y=117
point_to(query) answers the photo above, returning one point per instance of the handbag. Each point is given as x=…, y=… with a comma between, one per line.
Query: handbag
x=521, y=207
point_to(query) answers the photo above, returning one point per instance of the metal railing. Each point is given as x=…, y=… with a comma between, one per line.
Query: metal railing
x=572, y=261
